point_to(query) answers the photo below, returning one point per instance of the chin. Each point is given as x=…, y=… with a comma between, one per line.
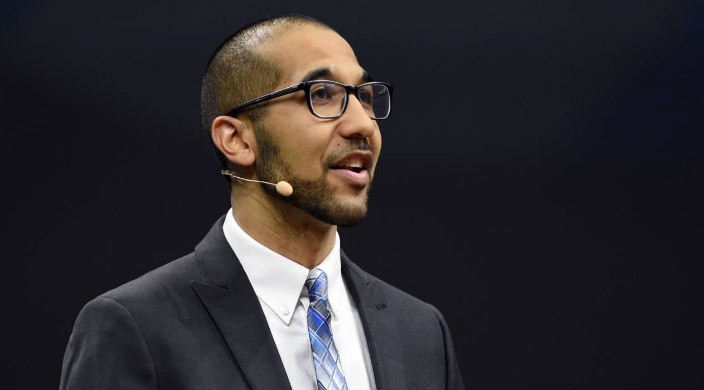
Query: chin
x=341, y=213
x=328, y=202
x=351, y=217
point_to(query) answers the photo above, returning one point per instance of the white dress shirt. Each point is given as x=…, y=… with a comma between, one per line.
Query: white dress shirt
x=278, y=283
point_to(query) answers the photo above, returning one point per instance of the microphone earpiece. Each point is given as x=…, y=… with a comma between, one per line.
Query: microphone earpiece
x=282, y=187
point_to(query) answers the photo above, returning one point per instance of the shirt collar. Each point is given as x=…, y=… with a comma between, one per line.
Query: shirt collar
x=277, y=280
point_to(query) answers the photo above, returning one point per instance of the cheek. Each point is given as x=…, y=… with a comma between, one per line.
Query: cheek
x=306, y=156
x=375, y=143
x=299, y=146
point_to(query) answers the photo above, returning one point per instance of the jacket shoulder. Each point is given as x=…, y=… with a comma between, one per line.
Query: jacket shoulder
x=167, y=280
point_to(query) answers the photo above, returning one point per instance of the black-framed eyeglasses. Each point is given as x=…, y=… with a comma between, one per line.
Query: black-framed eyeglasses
x=328, y=99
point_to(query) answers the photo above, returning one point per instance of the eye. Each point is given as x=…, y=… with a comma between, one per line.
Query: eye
x=321, y=93
x=364, y=96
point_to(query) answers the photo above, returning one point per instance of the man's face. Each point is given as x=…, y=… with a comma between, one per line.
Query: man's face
x=318, y=156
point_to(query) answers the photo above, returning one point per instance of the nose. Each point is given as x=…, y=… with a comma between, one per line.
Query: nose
x=355, y=122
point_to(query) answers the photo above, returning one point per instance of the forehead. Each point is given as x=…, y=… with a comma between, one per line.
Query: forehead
x=300, y=49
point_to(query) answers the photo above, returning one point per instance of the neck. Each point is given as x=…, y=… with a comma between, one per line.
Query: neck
x=282, y=228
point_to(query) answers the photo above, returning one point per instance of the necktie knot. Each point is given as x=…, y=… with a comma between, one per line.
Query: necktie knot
x=317, y=285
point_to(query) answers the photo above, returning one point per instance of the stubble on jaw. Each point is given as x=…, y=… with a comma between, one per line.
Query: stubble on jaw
x=315, y=197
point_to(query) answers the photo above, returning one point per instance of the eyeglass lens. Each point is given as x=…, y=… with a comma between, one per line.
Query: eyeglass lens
x=328, y=99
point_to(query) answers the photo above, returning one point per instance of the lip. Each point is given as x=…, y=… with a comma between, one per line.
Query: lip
x=365, y=157
x=359, y=178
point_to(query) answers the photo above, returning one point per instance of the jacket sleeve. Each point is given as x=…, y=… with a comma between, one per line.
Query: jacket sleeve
x=107, y=350
x=453, y=375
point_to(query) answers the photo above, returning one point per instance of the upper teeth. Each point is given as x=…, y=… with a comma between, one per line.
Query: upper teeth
x=354, y=165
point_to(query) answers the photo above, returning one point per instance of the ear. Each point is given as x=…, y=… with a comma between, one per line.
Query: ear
x=234, y=139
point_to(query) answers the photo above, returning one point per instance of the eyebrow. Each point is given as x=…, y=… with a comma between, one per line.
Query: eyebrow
x=316, y=74
x=326, y=72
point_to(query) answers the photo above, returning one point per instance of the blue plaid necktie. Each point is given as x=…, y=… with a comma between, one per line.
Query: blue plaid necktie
x=328, y=369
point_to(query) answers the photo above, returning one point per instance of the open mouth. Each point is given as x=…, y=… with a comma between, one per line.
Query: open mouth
x=355, y=161
x=354, y=166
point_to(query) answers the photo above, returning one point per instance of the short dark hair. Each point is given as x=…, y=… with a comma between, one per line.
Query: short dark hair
x=236, y=73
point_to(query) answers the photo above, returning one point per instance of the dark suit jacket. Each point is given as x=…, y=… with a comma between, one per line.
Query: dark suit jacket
x=196, y=323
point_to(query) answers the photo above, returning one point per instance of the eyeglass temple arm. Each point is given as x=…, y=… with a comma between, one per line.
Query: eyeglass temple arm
x=264, y=98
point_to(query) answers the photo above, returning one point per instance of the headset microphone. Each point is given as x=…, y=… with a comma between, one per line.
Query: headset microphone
x=282, y=187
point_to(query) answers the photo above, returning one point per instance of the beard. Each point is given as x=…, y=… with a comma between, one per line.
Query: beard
x=315, y=197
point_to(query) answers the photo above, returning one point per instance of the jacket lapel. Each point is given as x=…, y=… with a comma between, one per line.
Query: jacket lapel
x=380, y=327
x=230, y=300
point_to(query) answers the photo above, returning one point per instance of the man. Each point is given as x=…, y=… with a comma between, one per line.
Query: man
x=268, y=299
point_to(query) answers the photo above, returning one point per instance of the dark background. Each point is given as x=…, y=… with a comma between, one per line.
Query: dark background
x=540, y=181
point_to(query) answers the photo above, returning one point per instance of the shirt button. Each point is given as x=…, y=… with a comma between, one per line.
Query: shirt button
x=286, y=311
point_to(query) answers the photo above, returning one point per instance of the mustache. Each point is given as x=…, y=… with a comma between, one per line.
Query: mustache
x=355, y=145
